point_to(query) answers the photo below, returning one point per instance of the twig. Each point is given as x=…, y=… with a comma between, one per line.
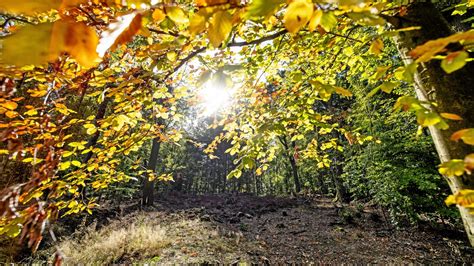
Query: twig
x=8, y=19
x=163, y=32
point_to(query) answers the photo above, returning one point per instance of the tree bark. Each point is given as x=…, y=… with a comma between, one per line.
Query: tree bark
x=291, y=159
x=149, y=185
x=93, y=140
x=454, y=93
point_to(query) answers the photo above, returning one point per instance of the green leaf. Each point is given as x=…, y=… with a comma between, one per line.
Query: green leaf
x=454, y=61
x=426, y=118
x=388, y=86
x=373, y=92
x=328, y=21
x=452, y=168
x=235, y=173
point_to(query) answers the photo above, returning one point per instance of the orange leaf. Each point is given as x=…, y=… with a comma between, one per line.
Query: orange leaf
x=11, y=114
x=202, y=3
x=469, y=163
x=458, y=134
x=467, y=135
x=451, y=116
x=38, y=44
x=158, y=15
x=80, y=41
x=426, y=51
x=10, y=105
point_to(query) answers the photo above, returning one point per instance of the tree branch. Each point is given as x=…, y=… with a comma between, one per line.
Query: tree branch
x=258, y=41
x=232, y=44
x=163, y=32
x=8, y=19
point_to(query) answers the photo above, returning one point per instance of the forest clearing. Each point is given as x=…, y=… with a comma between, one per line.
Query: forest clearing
x=241, y=228
x=236, y=131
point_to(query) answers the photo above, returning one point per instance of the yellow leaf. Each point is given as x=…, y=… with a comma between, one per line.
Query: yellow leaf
x=202, y=3
x=29, y=45
x=172, y=56
x=262, y=8
x=121, y=31
x=454, y=61
x=219, y=28
x=464, y=197
x=429, y=49
x=197, y=23
x=76, y=163
x=315, y=20
x=452, y=168
x=343, y=91
x=65, y=165
x=158, y=15
x=10, y=105
x=377, y=46
x=31, y=112
x=328, y=21
x=297, y=15
x=177, y=15
x=427, y=118
x=28, y=7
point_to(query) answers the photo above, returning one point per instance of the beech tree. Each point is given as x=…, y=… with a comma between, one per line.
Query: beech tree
x=84, y=82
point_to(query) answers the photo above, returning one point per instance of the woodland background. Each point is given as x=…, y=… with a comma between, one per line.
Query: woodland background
x=366, y=103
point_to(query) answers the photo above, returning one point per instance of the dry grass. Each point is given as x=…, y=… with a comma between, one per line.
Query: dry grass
x=116, y=243
x=145, y=238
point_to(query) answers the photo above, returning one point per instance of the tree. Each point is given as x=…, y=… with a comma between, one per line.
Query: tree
x=451, y=92
x=146, y=50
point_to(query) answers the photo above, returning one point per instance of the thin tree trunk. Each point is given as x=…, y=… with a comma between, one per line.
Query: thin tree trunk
x=93, y=140
x=454, y=93
x=149, y=185
x=294, y=167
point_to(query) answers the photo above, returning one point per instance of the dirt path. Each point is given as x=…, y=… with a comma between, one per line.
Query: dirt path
x=302, y=230
x=244, y=228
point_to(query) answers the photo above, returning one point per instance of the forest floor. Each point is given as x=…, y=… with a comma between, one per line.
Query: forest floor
x=232, y=228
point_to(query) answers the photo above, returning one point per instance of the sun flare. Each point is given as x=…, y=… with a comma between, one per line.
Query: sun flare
x=214, y=98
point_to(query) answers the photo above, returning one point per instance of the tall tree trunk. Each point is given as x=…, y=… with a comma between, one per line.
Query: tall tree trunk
x=291, y=159
x=149, y=185
x=294, y=170
x=336, y=171
x=454, y=93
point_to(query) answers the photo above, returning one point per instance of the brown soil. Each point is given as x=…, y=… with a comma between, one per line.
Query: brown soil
x=283, y=230
x=273, y=230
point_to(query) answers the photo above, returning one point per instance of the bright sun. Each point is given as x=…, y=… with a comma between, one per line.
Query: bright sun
x=214, y=98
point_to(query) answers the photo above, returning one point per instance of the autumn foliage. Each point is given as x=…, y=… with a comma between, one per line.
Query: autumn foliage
x=86, y=84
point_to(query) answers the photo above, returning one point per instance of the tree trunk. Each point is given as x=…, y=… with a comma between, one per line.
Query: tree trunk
x=294, y=170
x=454, y=93
x=93, y=140
x=149, y=185
x=294, y=167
